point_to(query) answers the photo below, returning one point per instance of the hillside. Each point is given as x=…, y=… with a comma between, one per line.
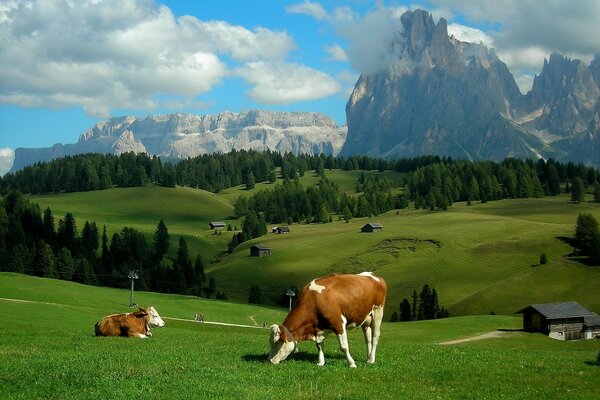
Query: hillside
x=480, y=259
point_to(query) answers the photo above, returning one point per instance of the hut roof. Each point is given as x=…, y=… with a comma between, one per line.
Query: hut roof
x=375, y=225
x=261, y=247
x=568, y=309
x=592, y=320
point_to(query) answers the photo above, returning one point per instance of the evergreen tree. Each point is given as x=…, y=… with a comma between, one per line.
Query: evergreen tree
x=597, y=192
x=577, y=191
x=182, y=262
x=161, y=241
x=45, y=263
x=211, y=288
x=415, y=306
x=405, y=310
x=89, y=241
x=587, y=235
x=255, y=295
x=48, y=232
x=65, y=265
x=250, y=181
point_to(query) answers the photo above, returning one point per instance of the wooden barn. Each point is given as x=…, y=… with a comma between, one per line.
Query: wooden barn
x=562, y=321
x=372, y=227
x=281, y=229
x=259, y=250
x=216, y=225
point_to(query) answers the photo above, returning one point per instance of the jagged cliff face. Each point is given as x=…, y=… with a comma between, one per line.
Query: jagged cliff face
x=188, y=135
x=447, y=97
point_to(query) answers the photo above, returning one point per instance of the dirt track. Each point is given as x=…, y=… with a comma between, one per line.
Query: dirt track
x=489, y=335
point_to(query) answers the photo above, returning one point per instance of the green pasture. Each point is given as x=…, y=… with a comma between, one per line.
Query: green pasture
x=47, y=350
x=480, y=259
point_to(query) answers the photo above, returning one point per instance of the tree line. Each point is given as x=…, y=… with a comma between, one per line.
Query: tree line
x=32, y=242
x=423, y=306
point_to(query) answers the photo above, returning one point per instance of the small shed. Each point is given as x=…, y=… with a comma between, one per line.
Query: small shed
x=562, y=321
x=259, y=250
x=216, y=225
x=282, y=229
x=372, y=227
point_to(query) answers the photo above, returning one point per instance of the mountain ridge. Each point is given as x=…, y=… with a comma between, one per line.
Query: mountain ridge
x=183, y=135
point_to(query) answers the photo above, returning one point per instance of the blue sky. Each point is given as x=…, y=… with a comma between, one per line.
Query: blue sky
x=66, y=65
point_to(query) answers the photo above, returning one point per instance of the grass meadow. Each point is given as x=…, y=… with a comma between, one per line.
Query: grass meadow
x=47, y=350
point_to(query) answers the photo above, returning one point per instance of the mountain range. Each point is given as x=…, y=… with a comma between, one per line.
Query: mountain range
x=189, y=135
x=439, y=95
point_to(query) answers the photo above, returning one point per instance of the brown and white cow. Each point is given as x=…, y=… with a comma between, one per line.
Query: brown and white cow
x=332, y=303
x=135, y=324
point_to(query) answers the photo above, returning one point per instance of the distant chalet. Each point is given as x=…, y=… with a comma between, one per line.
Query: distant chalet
x=216, y=225
x=281, y=229
x=259, y=250
x=372, y=227
x=562, y=321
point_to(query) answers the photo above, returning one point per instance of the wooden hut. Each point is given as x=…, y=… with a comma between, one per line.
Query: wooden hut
x=372, y=227
x=282, y=229
x=216, y=225
x=259, y=250
x=563, y=321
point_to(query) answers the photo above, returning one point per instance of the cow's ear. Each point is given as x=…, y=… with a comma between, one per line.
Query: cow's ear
x=142, y=309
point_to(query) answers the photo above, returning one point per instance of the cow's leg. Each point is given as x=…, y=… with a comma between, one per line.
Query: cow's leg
x=141, y=335
x=319, y=340
x=343, y=339
x=377, y=318
x=368, y=332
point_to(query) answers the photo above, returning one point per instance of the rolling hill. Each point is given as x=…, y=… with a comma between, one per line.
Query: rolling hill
x=481, y=258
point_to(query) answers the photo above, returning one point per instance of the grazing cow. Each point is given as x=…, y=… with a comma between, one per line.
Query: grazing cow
x=331, y=304
x=135, y=324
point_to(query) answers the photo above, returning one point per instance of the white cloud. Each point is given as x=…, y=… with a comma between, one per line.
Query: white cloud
x=284, y=83
x=348, y=79
x=468, y=34
x=7, y=157
x=313, y=9
x=554, y=25
x=119, y=54
x=336, y=52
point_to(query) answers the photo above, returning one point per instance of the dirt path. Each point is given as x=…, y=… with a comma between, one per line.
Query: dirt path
x=489, y=335
x=171, y=318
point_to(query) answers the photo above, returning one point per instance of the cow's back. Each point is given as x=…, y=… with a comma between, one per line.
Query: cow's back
x=120, y=325
x=354, y=296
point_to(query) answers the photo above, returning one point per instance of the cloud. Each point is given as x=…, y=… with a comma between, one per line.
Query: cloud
x=119, y=54
x=554, y=25
x=284, y=83
x=468, y=34
x=313, y=9
x=7, y=157
x=336, y=52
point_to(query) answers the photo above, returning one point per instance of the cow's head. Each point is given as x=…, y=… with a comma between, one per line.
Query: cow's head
x=282, y=345
x=155, y=319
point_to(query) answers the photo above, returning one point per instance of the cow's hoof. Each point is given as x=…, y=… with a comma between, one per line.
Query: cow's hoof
x=352, y=365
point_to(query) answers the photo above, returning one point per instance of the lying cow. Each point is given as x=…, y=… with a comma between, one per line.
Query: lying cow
x=332, y=304
x=135, y=324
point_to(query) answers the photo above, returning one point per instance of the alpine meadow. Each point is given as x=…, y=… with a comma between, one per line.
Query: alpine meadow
x=299, y=199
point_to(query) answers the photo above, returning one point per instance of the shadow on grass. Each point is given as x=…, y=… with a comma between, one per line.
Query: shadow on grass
x=510, y=330
x=300, y=356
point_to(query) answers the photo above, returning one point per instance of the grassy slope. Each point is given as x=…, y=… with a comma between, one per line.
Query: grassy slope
x=186, y=212
x=48, y=351
x=486, y=260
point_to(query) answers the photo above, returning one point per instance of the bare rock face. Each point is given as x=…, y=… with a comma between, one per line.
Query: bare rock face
x=447, y=97
x=189, y=135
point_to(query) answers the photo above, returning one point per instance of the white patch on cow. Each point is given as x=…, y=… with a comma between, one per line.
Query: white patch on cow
x=317, y=288
x=141, y=335
x=370, y=275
